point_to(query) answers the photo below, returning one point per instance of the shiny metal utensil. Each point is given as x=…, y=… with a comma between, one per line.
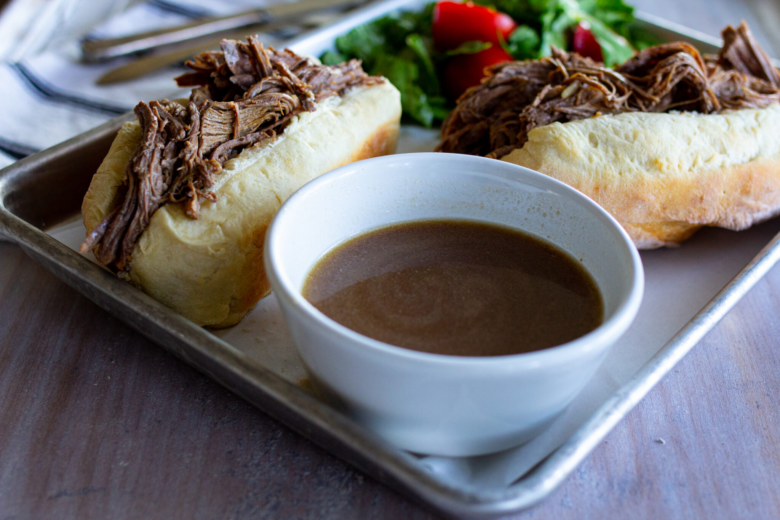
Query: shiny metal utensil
x=146, y=65
x=149, y=64
x=100, y=50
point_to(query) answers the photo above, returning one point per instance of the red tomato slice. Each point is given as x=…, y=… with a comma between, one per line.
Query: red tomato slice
x=455, y=23
x=585, y=44
x=467, y=70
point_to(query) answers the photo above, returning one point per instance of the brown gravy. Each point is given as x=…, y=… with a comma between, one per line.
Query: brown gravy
x=456, y=287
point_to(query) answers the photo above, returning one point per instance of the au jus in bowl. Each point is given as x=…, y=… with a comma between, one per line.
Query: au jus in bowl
x=456, y=287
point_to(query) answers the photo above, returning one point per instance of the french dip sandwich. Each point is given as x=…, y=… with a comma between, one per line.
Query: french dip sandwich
x=668, y=142
x=181, y=203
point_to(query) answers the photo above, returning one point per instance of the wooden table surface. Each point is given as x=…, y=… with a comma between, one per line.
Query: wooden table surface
x=98, y=422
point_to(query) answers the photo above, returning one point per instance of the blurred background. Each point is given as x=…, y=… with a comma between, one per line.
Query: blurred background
x=28, y=27
x=52, y=91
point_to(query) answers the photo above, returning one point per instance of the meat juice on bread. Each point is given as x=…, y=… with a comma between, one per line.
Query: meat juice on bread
x=668, y=142
x=180, y=205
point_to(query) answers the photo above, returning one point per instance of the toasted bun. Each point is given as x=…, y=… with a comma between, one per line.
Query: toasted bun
x=210, y=270
x=663, y=176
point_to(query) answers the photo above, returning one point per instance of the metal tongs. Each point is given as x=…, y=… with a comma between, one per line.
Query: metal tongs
x=102, y=50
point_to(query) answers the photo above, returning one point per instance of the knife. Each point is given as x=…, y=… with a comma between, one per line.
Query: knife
x=100, y=50
x=149, y=64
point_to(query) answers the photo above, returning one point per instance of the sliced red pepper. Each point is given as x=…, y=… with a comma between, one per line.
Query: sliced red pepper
x=585, y=44
x=455, y=23
x=467, y=70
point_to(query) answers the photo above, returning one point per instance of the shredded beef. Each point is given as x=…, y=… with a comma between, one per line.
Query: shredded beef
x=244, y=96
x=494, y=118
x=742, y=53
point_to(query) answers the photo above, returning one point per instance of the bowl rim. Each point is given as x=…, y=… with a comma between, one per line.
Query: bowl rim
x=599, y=338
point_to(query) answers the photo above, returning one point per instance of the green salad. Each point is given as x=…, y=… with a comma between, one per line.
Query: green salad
x=434, y=54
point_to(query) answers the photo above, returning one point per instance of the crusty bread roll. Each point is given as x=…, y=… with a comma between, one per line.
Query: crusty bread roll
x=665, y=175
x=210, y=270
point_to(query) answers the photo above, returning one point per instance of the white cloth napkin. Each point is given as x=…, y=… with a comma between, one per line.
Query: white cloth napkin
x=51, y=97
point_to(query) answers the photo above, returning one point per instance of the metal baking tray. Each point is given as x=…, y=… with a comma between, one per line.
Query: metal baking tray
x=689, y=290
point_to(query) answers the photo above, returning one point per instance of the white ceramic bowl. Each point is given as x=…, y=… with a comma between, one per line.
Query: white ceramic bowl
x=429, y=403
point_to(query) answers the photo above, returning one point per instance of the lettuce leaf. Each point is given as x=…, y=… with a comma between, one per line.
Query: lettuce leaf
x=548, y=22
x=470, y=47
x=400, y=48
x=523, y=43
